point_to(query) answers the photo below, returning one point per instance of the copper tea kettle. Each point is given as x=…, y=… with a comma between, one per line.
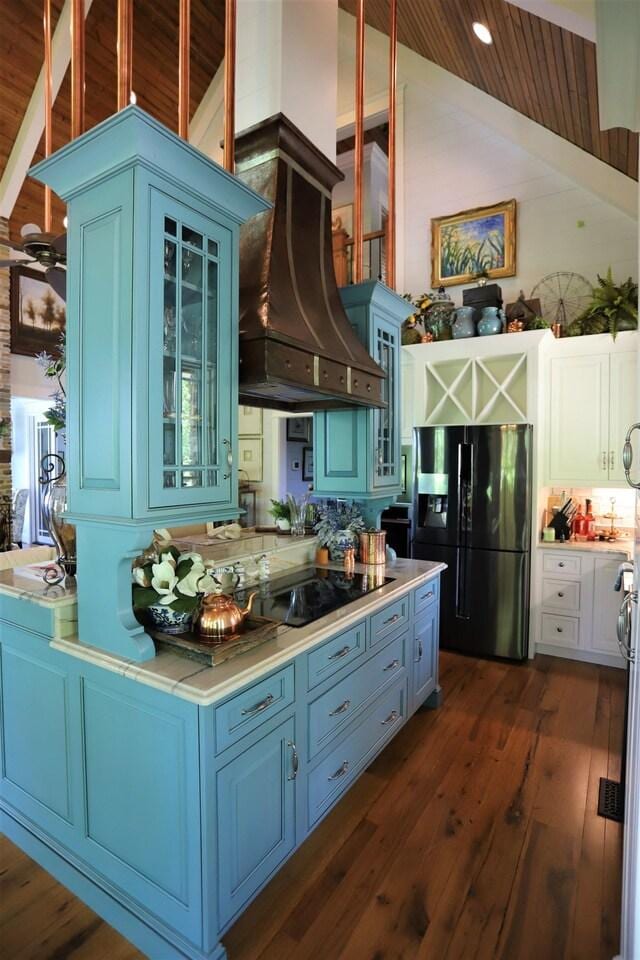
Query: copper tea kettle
x=220, y=616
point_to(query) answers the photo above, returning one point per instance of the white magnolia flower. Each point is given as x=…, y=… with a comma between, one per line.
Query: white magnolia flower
x=196, y=557
x=164, y=580
x=168, y=558
x=207, y=585
x=140, y=577
x=188, y=586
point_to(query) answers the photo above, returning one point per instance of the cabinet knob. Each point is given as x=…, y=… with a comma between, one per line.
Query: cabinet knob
x=393, y=716
x=340, y=772
x=559, y=629
x=561, y=564
x=560, y=594
x=294, y=760
x=341, y=709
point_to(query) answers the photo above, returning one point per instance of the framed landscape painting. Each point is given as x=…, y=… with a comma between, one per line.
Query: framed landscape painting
x=37, y=313
x=474, y=243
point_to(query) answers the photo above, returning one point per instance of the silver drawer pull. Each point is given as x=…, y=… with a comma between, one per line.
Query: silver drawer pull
x=340, y=772
x=294, y=760
x=341, y=709
x=419, y=657
x=340, y=653
x=259, y=707
x=392, y=619
x=561, y=594
x=393, y=716
x=559, y=629
x=391, y=666
x=427, y=595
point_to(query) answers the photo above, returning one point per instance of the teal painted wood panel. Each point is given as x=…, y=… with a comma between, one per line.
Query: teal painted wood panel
x=253, y=706
x=35, y=731
x=141, y=775
x=22, y=613
x=39, y=736
x=256, y=818
x=99, y=319
x=335, y=709
x=335, y=653
x=425, y=653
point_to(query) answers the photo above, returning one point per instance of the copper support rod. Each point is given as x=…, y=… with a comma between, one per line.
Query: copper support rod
x=48, y=106
x=125, y=52
x=359, y=148
x=183, y=69
x=229, y=85
x=393, y=83
x=77, y=68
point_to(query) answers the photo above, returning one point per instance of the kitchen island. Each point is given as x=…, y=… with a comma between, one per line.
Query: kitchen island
x=167, y=793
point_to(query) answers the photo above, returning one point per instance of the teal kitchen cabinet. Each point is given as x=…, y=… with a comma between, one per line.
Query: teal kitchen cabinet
x=357, y=452
x=256, y=799
x=152, y=351
x=167, y=816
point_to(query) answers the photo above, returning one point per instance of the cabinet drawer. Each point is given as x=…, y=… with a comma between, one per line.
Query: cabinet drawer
x=425, y=595
x=387, y=621
x=340, y=768
x=562, y=564
x=561, y=631
x=561, y=594
x=252, y=706
x=334, y=654
x=335, y=708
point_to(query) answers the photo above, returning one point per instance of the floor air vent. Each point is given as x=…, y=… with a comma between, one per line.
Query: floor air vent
x=611, y=800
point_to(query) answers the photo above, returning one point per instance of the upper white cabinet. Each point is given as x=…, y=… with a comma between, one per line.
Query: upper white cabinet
x=591, y=404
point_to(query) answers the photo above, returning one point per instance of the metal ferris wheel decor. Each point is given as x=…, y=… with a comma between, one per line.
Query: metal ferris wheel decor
x=563, y=297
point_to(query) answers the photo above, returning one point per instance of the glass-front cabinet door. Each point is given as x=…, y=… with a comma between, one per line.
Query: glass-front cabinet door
x=190, y=357
x=385, y=422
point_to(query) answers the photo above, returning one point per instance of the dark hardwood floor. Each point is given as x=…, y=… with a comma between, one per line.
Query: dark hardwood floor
x=473, y=837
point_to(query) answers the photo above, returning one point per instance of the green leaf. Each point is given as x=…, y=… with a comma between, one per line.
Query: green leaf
x=183, y=568
x=144, y=597
x=184, y=604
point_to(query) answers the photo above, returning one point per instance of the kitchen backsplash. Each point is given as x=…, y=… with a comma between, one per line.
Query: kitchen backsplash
x=601, y=504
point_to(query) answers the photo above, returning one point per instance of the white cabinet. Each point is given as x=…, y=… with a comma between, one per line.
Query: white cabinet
x=578, y=606
x=579, y=420
x=623, y=379
x=606, y=605
x=592, y=385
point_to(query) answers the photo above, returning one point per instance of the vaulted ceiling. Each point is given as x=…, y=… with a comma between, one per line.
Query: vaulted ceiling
x=543, y=71
x=155, y=73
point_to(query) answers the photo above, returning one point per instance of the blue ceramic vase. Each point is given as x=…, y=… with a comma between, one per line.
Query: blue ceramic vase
x=463, y=325
x=491, y=322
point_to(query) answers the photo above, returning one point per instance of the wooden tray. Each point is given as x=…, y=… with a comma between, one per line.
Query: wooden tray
x=257, y=630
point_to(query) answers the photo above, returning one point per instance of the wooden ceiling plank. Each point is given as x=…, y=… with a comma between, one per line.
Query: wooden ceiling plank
x=560, y=82
x=591, y=140
x=521, y=38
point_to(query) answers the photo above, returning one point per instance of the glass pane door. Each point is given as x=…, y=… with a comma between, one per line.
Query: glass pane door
x=193, y=425
x=385, y=420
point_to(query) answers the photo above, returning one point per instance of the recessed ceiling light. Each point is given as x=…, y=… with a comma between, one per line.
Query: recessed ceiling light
x=482, y=33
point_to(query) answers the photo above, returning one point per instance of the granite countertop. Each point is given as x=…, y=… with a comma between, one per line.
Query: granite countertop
x=602, y=546
x=27, y=583
x=174, y=673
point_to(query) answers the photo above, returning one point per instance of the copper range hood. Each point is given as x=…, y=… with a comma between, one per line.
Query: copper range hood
x=298, y=350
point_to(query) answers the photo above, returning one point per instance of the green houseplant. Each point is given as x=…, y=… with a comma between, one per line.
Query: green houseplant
x=614, y=308
x=281, y=513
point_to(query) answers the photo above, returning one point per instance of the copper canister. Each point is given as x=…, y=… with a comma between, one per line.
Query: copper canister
x=373, y=544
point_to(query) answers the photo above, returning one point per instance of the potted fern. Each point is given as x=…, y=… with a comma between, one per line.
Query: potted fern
x=613, y=309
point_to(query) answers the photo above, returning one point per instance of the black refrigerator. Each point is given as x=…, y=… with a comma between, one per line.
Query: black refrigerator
x=472, y=510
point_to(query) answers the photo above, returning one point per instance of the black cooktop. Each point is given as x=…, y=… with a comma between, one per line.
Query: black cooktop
x=305, y=595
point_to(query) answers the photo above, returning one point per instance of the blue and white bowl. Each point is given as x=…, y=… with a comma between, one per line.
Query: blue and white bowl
x=169, y=621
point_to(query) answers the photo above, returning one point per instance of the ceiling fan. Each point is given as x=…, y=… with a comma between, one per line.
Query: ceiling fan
x=46, y=249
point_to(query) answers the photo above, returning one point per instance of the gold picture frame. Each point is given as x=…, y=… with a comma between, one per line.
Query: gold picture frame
x=468, y=243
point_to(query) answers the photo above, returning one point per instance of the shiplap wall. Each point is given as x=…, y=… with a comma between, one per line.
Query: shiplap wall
x=462, y=148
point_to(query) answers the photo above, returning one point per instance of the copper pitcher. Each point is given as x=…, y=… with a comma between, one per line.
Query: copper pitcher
x=220, y=616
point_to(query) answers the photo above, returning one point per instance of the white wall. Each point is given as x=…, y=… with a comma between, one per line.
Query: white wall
x=462, y=148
